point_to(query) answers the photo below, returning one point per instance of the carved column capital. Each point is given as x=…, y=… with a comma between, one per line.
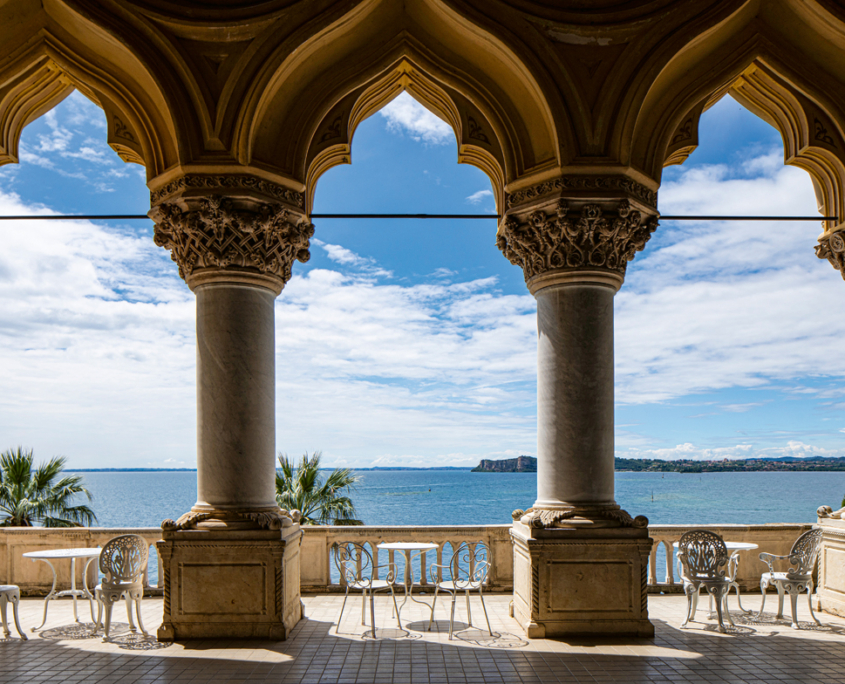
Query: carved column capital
x=832, y=248
x=216, y=238
x=571, y=240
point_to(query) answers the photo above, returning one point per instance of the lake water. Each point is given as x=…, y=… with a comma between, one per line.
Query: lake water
x=460, y=497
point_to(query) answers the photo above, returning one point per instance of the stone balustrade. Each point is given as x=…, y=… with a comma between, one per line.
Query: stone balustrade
x=776, y=538
x=316, y=563
x=317, y=542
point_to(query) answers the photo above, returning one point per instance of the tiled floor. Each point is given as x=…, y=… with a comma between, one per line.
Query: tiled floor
x=765, y=650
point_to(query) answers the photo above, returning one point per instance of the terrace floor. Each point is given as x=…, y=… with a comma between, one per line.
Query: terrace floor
x=758, y=650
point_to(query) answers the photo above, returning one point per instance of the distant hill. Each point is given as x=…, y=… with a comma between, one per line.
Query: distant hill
x=788, y=464
x=521, y=464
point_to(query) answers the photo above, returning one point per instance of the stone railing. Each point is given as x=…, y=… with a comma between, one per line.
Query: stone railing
x=776, y=538
x=317, y=541
x=35, y=577
x=316, y=564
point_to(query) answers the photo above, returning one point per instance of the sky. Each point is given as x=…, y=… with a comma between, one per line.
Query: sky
x=413, y=343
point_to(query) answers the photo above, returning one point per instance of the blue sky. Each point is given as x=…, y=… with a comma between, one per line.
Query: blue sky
x=413, y=343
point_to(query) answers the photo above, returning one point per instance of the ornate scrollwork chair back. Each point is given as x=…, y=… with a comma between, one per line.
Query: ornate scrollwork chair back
x=123, y=562
x=703, y=556
x=703, y=560
x=798, y=578
x=358, y=572
x=803, y=555
x=467, y=571
x=124, y=558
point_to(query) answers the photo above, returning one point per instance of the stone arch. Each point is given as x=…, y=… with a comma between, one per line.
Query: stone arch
x=301, y=122
x=49, y=65
x=773, y=78
x=478, y=145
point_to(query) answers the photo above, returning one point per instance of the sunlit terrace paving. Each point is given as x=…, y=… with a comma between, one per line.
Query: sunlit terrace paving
x=757, y=650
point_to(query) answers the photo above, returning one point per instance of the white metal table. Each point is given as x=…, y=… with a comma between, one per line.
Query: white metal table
x=733, y=567
x=61, y=554
x=408, y=548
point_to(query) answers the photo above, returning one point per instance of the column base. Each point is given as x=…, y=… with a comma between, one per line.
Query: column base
x=581, y=581
x=230, y=583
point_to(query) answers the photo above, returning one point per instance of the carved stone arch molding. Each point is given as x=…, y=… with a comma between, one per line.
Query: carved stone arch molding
x=58, y=50
x=787, y=67
x=478, y=140
x=300, y=122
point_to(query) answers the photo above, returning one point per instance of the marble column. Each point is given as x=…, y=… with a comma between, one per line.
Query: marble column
x=231, y=563
x=579, y=559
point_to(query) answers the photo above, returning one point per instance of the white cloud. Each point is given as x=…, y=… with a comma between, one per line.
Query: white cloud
x=691, y=452
x=405, y=115
x=476, y=197
x=716, y=305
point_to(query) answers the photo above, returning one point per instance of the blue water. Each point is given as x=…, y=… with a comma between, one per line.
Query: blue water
x=448, y=497
x=444, y=497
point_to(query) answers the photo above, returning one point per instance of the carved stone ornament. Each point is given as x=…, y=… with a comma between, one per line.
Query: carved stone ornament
x=828, y=512
x=584, y=183
x=547, y=242
x=218, y=235
x=539, y=519
x=265, y=520
x=250, y=184
x=832, y=248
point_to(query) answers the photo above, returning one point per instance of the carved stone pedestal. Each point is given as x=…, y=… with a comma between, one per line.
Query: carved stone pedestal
x=830, y=592
x=230, y=583
x=580, y=582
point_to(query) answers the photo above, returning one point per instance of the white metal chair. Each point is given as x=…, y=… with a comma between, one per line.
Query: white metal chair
x=355, y=564
x=123, y=562
x=702, y=557
x=799, y=577
x=467, y=572
x=9, y=593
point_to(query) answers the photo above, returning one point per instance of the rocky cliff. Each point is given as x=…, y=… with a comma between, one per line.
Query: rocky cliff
x=522, y=464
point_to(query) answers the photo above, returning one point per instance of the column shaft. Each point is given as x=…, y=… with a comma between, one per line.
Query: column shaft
x=575, y=430
x=236, y=433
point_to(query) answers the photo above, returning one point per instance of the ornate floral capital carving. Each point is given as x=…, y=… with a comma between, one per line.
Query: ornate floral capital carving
x=601, y=236
x=547, y=519
x=265, y=520
x=832, y=248
x=208, y=235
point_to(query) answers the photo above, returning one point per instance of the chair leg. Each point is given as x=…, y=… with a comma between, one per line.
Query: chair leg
x=396, y=607
x=433, y=603
x=107, y=605
x=779, y=587
x=810, y=602
x=452, y=615
x=469, y=610
x=763, y=586
x=363, y=607
x=373, y=611
x=793, y=599
x=719, y=613
x=342, y=606
x=15, y=602
x=132, y=627
x=138, y=613
x=738, y=599
x=3, y=602
x=690, y=592
x=484, y=608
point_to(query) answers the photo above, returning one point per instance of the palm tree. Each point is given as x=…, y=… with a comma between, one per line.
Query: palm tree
x=320, y=502
x=30, y=496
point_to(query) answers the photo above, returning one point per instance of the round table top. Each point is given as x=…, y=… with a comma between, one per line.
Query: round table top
x=735, y=546
x=63, y=553
x=407, y=546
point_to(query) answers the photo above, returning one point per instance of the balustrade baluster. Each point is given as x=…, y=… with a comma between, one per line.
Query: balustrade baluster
x=670, y=562
x=652, y=564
